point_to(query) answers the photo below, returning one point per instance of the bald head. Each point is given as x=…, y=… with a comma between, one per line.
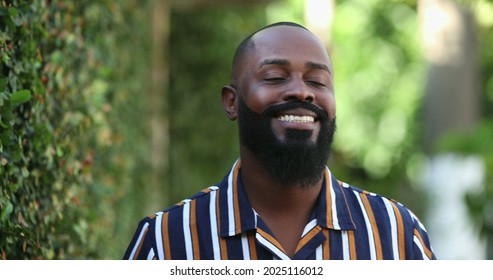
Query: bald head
x=248, y=45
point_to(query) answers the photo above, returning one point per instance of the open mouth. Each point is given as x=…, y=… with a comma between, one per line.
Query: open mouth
x=296, y=115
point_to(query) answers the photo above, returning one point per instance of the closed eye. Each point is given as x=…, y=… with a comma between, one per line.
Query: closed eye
x=275, y=80
x=316, y=83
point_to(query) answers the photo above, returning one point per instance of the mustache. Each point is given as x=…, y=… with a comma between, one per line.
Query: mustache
x=274, y=110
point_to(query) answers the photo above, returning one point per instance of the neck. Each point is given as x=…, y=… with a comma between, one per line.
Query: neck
x=286, y=209
x=268, y=195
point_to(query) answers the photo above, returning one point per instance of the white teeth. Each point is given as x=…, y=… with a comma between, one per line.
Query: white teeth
x=293, y=118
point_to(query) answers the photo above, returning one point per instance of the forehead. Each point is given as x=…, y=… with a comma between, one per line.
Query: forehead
x=289, y=43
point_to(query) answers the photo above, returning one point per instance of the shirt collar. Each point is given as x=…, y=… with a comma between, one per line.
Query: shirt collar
x=332, y=209
x=237, y=215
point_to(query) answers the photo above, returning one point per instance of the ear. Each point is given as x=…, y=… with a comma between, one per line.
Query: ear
x=228, y=96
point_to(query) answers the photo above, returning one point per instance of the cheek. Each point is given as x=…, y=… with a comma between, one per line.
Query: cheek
x=333, y=110
x=329, y=104
x=258, y=99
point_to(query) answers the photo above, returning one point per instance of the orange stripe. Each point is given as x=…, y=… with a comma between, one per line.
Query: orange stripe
x=137, y=252
x=222, y=241
x=165, y=234
x=314, y=231
x=352, y=245
x=271, y=239
x=374, y=227
x=251, y=244
x=207, y=190
x=427, y=251
x=193, y=229
x=224, y=249
x=326, y=247
x=236, y=206
x=347, y=204
x=152, y=216
x=328, y=199
x=400, y=232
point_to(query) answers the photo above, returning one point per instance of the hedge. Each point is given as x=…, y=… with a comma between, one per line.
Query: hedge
x=64, y=94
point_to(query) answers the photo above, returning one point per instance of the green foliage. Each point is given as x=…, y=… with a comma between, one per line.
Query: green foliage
x=30, y=159
x=477, y=141
x=379, y=79
x=61, y=142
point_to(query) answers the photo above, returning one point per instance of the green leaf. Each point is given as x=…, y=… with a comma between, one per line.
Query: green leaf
x=2, y=124
x=13, y=12
x=22, y=96
x=3, y=12
x=3, y=84
x=6, y=211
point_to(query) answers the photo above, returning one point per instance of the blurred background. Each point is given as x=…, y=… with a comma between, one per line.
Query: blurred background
x=110, y=111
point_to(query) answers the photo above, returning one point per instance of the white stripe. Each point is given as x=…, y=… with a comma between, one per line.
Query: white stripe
x=393, y=228
x=309, y=227
x=345, y=245
x=319, y=253
x=137, y=243
x=418, y=243
x=371, y=241
x=186, y=230
x=335, y=220
x=277, y=252
x=159, y=236
x=231, y=216
x=213, y=216
x=245, y=247
x=417, y=220
x=151, y=254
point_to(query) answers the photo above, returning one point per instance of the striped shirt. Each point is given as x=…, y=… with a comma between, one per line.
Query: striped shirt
x=218, y=223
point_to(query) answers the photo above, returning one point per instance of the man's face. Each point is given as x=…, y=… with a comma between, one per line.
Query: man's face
x=286, y=106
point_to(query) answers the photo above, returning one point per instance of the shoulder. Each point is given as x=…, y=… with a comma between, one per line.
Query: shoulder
x=377, y=203
x=365, y=194
x=200, y=199
x=390, y=217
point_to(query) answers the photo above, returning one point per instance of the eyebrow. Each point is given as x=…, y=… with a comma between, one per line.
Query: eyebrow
x=285, y=62
x=275, y=61
x=319, y=66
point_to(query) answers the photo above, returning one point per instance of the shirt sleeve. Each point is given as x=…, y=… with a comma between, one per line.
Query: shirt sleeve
x=422, y=249
x=141, y=246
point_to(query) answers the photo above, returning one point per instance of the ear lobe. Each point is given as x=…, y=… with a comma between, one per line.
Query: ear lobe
x=228, y=96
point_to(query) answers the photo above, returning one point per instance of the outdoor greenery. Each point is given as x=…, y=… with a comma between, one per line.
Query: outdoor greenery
x=67, y=130
x=380, y=85
x=74, y=117
x=478, y=142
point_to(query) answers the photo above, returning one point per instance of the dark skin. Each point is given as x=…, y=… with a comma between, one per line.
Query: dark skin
x=286, y=63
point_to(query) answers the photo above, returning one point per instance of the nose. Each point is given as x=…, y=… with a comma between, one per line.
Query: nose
x=298, y=90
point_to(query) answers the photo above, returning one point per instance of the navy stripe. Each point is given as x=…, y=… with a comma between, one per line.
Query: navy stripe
x=383, y=225
x=335, y=241
x=204, y=227
x=176, y=236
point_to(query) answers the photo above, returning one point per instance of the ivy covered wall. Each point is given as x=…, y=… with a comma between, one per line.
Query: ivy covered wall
x=65, y=124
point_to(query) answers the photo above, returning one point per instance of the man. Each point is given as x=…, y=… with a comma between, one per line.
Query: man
x=280, y=201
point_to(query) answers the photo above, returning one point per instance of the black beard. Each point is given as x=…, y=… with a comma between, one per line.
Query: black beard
x=296, y=161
